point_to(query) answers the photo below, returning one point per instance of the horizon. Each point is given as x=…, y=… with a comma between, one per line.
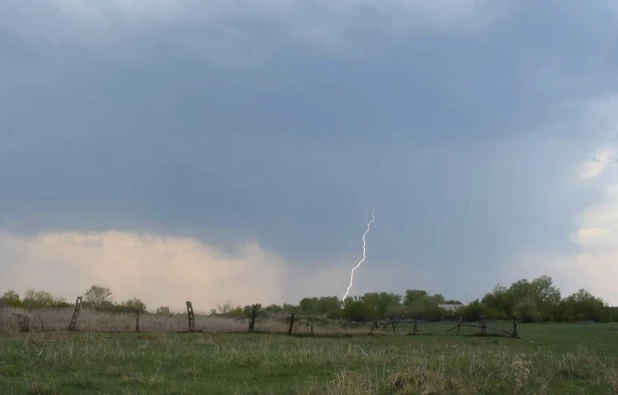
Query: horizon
x=176, y=309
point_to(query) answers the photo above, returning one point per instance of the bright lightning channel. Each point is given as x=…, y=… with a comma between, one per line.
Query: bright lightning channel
x=364, y=255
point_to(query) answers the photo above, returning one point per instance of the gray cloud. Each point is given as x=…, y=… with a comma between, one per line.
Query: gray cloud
x=284, y=123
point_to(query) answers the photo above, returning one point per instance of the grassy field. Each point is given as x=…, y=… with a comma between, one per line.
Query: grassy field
x=549, y=359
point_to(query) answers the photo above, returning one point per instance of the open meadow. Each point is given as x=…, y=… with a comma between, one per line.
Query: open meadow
x=548, y=359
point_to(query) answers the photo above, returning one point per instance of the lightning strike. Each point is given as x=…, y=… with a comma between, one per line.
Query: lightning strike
x=364, y=254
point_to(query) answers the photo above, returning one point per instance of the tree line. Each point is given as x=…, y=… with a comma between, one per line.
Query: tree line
x=538, y=300
x=97, y=297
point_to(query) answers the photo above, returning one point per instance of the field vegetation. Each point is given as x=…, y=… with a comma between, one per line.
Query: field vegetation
x=549, y=359
x=567, y=345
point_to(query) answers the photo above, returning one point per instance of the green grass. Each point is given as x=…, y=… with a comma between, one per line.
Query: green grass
x=549, y=359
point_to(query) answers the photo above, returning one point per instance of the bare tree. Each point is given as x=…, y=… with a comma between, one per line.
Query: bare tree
x=226, y=307
x=96, y=295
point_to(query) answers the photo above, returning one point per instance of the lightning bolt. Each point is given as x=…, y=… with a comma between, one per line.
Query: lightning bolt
x=364, y=254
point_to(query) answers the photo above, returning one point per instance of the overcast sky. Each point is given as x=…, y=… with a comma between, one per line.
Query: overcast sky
x=233, y=150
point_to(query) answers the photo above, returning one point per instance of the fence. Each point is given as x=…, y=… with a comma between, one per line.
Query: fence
x=78, y=319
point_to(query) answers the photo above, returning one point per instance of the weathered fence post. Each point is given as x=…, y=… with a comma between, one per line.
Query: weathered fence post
x=136, y=320
x=483, y=325
x=374, y=321
x=252, y=319
x=291, y=324
x=78, y=308
x=515, y=334
x=190, y=316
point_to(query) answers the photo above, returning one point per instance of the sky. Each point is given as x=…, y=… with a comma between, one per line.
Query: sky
x=221, y=150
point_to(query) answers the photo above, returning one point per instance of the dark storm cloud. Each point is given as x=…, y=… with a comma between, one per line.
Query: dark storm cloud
x=290, y=126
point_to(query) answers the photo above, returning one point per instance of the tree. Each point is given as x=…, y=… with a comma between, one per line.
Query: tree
x=357, y=310
x=163, y=310
x=526, y=310
x=583, y=306
x=472, y=312
x=10, y=299
x=42, y=299
x=383, y=302
x=546, y=296
x=309, y=305
x=135, y=304
x=96, y=295
x=225, y=307
x=238, y=312
x=413, y=296
x=437, y=299
x=329, y=305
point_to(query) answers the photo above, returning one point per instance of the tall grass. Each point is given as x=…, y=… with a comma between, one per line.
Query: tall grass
x=153, y=363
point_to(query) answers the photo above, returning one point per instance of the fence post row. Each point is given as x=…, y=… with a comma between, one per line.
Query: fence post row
x=78, y=308
x=190, y=316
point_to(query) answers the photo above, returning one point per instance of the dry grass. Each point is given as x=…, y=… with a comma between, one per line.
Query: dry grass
x=89, y=320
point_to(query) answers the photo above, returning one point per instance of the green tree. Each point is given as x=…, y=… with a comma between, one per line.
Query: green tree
x=134, y=304
x=414, y=296
x=309, y=305
x=526, y=310
x=96, y=295
x=472, y=312
x=357, y=310
x=546, y=296
x=10, y=299
x=42, y=299
x=437, y=299
x=583, y=306
x=237, y=312
x=383, y=302
x=163, y=310
x=329, y=305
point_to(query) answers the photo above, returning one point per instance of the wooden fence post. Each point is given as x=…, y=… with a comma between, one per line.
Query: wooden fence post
x=515, y=334
x=136, y=320
x=291, y=324
x=374, y=321
x=252, y=319
x=190, y=316
x=78, y=308
x=483, y=325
